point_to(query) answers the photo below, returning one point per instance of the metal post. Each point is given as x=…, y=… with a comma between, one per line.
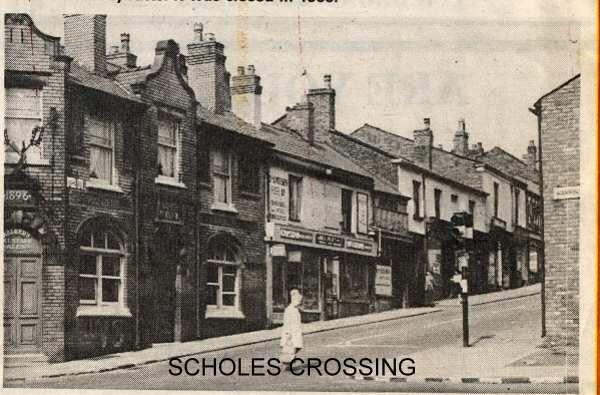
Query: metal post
x=464, y=296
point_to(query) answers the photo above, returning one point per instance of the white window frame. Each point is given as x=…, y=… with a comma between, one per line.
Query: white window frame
x=220, y=265
x=176, y=180
x=217, y=205
x=94, y=182
x=97, y=306
x=13, y=157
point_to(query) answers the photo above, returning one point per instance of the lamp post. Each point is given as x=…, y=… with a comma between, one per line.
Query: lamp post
x=463, y=231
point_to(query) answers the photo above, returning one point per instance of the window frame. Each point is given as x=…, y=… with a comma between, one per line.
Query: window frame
x=177, y=171
x=437, y=202
x=496, y=199
x=346, y=210
x=517, y=196
x=217, y=174
x=13, y=157
x=99, y=253
x=295, y=216
x=417, y=199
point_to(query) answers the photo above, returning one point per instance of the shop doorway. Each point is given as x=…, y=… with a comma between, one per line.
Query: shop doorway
x=164, y=289
x=22, y=293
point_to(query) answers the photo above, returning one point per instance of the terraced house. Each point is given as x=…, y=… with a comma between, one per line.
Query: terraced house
x=496, y=191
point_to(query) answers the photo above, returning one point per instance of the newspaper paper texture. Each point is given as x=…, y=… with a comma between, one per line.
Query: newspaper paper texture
x=406, y=189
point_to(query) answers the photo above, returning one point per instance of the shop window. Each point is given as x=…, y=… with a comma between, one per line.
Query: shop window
x=169, y=136
x=346, y=211
x=223, y=273
x=249, y=174
x=101, y=269
x=221, y=167
x=437, y=196
x=101, y=133
x=22, y=114
x=295, y=197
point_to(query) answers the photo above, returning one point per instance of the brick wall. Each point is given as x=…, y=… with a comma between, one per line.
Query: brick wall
x=560, y=167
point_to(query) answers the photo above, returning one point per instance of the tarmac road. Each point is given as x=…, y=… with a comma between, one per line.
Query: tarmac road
x=389, y=339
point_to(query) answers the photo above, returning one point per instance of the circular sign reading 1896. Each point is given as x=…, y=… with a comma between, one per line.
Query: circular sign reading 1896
x=20, y=241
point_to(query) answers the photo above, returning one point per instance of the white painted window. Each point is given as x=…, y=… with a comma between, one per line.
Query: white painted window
x=23, y=112
x=101, y=135
x=221, y=164
x=168, y=147
x=101, y=269
x=223, y=276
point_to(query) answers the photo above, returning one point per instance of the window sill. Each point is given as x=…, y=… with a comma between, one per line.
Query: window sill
x=224, y=313
x=229, y=208
x=102, y=311
x=251, y=195
x=170, y=182
x=30, y=162
x=93, y=184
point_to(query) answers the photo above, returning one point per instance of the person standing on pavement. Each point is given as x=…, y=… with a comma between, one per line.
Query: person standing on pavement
x=429, y=289
x=291, y=331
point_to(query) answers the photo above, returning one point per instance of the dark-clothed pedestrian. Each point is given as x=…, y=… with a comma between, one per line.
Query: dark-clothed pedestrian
x=429, y=289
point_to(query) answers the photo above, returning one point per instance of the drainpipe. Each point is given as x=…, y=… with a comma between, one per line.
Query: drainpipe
x=136, y=215
x=537, y=111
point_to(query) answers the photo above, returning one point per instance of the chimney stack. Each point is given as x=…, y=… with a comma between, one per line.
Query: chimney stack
x=531, y=156
x=323, y=101
x=85, y=40
x=122, y=56
x=206, y=71
x=246, y=95
x=301, y=118
x=461, y=139
x=424, y=143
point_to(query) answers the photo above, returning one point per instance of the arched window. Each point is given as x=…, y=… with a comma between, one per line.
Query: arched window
x=101, y=268
x=223, y=272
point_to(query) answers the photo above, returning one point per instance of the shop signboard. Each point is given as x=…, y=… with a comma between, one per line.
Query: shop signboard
x=19, y=241
x=363, y=212
x=564, y=193
x=358, y=245
x=278, y=198
x=298, y=235
x=383, y=280
x=329, y=240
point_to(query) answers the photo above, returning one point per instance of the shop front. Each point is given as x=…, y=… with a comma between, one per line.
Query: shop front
x=334, y=273
x=441, y=260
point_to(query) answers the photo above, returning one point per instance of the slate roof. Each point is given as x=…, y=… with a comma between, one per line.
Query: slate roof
x=509, y=164
x=447, y=164
x=81, y=76
x=289, y=142
x=229, y=121
x=133, y=75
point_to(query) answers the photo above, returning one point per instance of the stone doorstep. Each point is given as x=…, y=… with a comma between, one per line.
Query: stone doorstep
x=25, y=360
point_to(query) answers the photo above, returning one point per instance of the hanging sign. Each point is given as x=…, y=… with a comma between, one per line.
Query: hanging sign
x=363, y=212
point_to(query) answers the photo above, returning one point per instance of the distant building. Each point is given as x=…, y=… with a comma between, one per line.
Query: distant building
x=558, y=120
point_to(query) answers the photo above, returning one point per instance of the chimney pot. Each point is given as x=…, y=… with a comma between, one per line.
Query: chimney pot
x=114, y=49
x=241, y=70
x=427, y=122
x=198, y=29
x=251, y=69
x=479, y=145
x=210, y=36
x=125, y=37
x=461, y=125
x=327, y=80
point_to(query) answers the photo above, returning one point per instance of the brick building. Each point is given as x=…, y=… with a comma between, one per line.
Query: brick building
x=558, y=121
x=69, y=239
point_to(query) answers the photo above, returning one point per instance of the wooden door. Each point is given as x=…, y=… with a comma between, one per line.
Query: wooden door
x=22, y=303
x=164, y=304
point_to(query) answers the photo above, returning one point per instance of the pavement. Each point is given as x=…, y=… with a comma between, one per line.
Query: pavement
x=458, y=364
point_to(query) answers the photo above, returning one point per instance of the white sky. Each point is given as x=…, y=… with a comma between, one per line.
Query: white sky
x=391, y=66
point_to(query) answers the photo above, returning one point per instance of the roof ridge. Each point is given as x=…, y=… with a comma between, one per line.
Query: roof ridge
x=382, y=130
x=364, y=143
x=511, y=155
x=375, y=176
